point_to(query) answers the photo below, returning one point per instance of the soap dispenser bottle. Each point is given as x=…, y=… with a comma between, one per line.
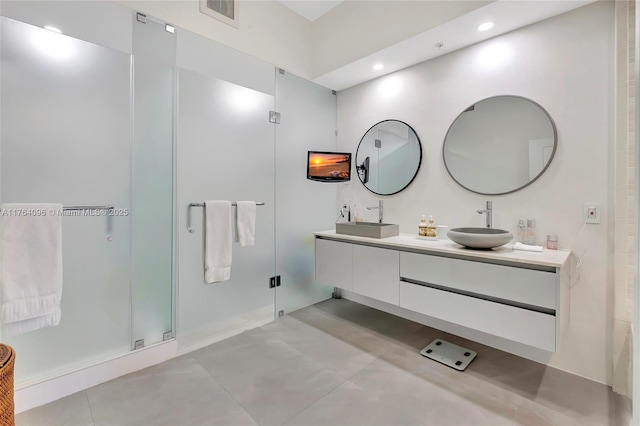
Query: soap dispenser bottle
x=531, y=232
x=431, y=228
x=422, y=227
x=520, y=233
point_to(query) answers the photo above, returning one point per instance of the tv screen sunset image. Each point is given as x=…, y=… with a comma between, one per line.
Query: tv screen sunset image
x=329, y=165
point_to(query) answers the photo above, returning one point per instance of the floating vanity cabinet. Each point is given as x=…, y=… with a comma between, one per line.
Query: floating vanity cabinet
x=375, y=273
x=515, y=303
x=518, y=296
x=334, y=263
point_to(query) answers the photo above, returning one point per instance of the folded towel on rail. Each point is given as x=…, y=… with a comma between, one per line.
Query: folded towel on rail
x=218, y=238
x=31, y=250
x=246, y=222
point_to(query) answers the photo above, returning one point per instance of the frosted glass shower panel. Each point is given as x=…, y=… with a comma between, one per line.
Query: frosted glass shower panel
x=154, y=58
x=65, y=137
x=225, y=151
x=308, y=123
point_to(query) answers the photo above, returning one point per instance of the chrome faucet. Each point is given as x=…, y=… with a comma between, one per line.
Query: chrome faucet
x=488, y=211
x=379, y=208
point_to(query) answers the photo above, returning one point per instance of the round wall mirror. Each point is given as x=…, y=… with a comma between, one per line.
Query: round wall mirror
x=500, y=145
x=388, y=157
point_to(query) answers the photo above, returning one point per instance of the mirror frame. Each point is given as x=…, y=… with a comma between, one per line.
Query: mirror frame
x=419, y=160
x=544, y=169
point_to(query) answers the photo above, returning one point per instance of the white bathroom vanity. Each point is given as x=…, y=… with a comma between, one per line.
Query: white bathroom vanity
x=517, y=296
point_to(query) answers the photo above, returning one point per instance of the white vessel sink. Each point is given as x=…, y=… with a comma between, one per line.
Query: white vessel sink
x=368, y=229
x=480, y=238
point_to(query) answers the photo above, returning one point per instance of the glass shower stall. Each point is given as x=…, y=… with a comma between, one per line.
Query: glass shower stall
x=152, y=131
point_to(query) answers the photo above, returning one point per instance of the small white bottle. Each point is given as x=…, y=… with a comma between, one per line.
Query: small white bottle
x=520, y=233
x=531, y=232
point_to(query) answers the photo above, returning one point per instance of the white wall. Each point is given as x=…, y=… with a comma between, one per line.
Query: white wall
x=207, y=57
x=273, y=33
x=101, y=22
x=267, y=29
x=564, y=64
x=358, y=28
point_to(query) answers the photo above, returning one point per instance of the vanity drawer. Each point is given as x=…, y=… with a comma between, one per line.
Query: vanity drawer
x=521, y=325
x=334, y=264
x=507, y=283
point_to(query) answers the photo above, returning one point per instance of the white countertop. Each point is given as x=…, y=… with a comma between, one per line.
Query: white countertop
x=554, y=258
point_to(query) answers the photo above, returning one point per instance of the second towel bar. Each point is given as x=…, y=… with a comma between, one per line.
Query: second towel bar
x=258, y=203
x=73, y=208
x=191, y=230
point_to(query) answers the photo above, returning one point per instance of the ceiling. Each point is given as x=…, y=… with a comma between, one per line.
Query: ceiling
x=311, y=9
x=454, y=34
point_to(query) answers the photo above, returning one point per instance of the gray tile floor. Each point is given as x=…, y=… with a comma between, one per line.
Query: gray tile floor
x=338, y=363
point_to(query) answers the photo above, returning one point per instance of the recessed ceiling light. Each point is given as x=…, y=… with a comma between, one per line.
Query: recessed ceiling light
x=378, y=67
x=54, y=29
x=169, y=28
x=485, y=26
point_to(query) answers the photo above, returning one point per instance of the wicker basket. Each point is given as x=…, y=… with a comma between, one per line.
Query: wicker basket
x=7, y=361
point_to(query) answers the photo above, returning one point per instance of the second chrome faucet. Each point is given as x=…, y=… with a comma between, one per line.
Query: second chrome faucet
x=488, y=211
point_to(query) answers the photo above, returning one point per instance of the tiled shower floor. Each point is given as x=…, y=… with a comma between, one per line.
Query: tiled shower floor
x=338, y=363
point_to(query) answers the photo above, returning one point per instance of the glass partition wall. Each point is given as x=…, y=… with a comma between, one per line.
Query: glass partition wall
x=83, y=124
x=152, y=212
x=66, y=139
x=308, y=122
x=70, y=134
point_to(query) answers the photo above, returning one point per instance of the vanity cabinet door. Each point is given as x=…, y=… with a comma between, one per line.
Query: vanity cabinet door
x=376, y=273
x=334, y=264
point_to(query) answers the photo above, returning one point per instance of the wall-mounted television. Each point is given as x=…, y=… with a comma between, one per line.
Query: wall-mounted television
x=326, y=166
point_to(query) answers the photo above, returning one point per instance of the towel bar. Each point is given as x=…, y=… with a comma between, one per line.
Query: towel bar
x=82, y=208
x=258, y=203
x=191, y=230
x=69, y=208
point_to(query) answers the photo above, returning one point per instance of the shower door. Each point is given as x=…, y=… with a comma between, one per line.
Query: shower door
x=66, y=138
x=225, y=151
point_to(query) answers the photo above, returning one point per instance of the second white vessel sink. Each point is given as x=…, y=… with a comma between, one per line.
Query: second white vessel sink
x=480, y=238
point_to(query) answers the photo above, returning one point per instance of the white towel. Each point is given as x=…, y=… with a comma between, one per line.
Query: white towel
x=31, y=266
x=218, y=238
x=526, y=247
x=246, y=222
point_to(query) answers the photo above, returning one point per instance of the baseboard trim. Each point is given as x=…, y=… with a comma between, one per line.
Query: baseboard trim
x=215, y=332
x=32, y=395
x=59, y=385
